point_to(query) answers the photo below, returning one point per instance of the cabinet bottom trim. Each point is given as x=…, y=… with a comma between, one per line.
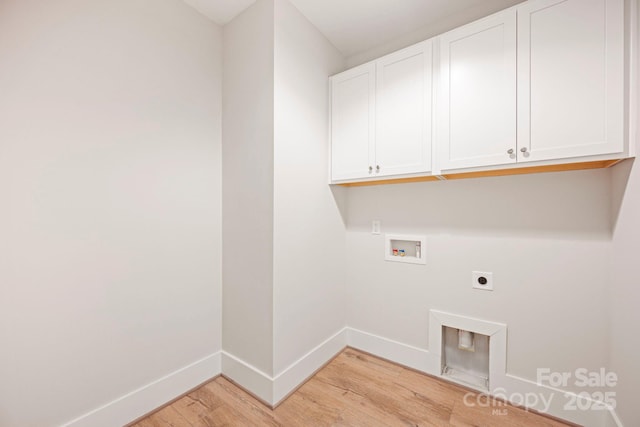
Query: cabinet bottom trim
x=600, y=164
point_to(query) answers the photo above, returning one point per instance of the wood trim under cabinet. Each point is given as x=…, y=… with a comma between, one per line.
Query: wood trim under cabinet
x=391, y=181
x=599, y=164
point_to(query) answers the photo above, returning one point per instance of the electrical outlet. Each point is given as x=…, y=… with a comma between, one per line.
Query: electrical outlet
x=375, y=227
x=482, y=280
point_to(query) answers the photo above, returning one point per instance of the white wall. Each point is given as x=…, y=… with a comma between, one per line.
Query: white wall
x=309, y=234
x=545, y=238
x=279, y=211
x=110, y=177
x=624, y=291
x=110, y=270
x=248, y=186
x=431, y=29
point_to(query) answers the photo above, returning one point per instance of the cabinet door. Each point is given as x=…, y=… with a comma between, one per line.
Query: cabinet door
x=477, y=97
x=352, y=123
x=404, y=82
x=570, y=78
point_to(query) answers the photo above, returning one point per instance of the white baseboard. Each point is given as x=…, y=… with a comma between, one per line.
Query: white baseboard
x=137, y=403
x=403, y=354
x=424, y=361
x=558, y=401
x=248, y=377
x=299, y=371
x=612, y=419
x=271, y=390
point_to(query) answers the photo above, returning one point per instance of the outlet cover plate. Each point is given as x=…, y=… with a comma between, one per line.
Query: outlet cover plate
x=375, y=226
x=482, y=280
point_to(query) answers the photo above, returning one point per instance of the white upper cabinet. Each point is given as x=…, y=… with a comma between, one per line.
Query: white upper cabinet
x=570, y=78
x=538, y=84
x=352, y=123
x=404, y=108
x=381, y=116
x=477, y=94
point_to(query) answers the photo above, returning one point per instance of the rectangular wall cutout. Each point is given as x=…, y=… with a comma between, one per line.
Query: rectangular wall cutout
x=489, y=338
x=405, y=248
x=465, y=357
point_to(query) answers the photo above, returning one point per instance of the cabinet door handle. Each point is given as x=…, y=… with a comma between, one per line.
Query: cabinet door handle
x=370, y=169
x=377, y=168
x=523, y=149
x=510, y=151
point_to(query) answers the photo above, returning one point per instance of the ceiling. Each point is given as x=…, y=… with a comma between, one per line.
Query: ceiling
x=355, y=26
x=220, y=11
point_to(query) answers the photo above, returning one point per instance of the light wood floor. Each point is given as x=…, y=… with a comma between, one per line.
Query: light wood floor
x=355, y=389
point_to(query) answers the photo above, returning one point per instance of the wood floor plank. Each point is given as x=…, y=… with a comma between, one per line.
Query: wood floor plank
x=146, y=422
x=206, y=398
x=377, y=383
x=359, y=380
x=497, y=414
x=227, y=416
x=436, y=387
x=192, y=410
x=304, y=409
x=169, y=417
x=354, y=389
x=363, y=411
x=252, y=410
